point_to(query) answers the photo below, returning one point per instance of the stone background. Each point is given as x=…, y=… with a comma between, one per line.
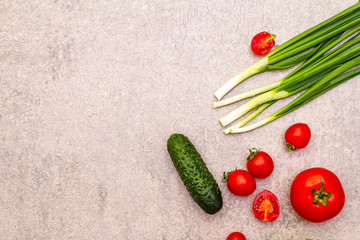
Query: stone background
x=90, y=91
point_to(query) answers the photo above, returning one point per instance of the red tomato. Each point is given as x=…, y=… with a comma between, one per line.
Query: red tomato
x=236, y=236
x=262, y=43
x=266, y=206
x=297, y=136
x=241, y=183
x=317, y=195
x=259, y=163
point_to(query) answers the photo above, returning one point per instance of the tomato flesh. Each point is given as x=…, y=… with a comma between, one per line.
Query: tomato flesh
x=236, y=236
x=262, y=43
x=317, y=195
x=266, y=206
x=241, y=183
x=297, y=136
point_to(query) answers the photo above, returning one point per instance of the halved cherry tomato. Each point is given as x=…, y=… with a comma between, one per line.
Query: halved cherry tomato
x=236, y=236
x=317, y=195
x=297, y=136
x=266, y=206
x=240, y=182
x=259, y=163
x=262, y=43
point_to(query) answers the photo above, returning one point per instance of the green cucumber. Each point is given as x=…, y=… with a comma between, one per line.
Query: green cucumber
x=196, y=177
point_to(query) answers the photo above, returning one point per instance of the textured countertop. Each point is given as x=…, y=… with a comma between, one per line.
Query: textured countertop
x=90, y=91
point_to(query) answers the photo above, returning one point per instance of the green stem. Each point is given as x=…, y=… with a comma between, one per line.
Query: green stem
x=315, y=28
x=245, y=95
x=318, y=38
x=250, y=117
x=253, y=103
x=258, y=67
x=253, y=153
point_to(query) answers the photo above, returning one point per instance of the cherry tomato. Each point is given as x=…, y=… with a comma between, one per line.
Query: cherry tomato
x=297, y=136
x=259, y=163
x=240, y=182
x=236, y=236
x=262, y=43
x=266, y=206
x=317, y=195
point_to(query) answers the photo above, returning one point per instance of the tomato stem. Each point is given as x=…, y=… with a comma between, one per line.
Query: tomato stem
x=253, y=153
x=290, y=147
x=320, y=196
x=226, y=177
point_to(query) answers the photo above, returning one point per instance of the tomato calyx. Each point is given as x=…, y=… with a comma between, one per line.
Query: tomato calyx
x=320, y=196
x=290, y=147
x=253, y=153
x=226, y=177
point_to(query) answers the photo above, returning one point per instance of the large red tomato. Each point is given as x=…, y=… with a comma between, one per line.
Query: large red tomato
x=317, y=195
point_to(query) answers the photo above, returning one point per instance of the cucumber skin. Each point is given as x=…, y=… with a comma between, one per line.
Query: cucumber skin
x=196, y=177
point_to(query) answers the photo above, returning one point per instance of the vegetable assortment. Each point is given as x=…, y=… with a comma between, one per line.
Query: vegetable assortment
x=242, y=183
x=330, y=55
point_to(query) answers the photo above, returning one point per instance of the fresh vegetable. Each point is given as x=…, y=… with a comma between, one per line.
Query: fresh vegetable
x=236, y=236
x=262, y=43
x=287, y=54
x=259, y=163
x=240, y=182
x=297, y=136
x=331, y=52
x=324, y=82
x=317, y=195
x=266, y=206
x=193, y=171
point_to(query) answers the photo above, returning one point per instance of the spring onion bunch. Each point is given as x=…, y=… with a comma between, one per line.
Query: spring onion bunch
x=330, y=55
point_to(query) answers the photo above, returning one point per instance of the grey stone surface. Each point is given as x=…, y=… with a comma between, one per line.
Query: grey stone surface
x=90, y=91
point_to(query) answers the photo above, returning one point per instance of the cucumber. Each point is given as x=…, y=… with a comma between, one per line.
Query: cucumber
x=196, y=177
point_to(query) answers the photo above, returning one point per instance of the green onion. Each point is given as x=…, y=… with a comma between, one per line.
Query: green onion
x=328, y=82
x=300, y=80
x=250, y=117
x=287, y=54
x=330, y=43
